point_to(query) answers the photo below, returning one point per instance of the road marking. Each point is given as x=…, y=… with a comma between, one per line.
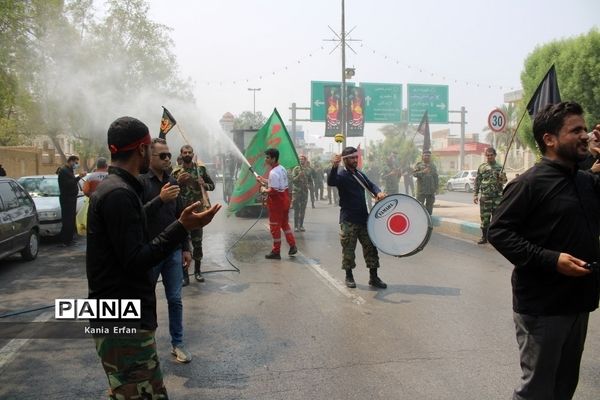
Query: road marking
x=10, y=350
x=334, y=283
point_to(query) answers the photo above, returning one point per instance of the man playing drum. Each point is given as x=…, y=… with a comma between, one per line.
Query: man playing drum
x=353, y=215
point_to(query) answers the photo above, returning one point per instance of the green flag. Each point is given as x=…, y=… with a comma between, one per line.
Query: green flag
x=272, y=135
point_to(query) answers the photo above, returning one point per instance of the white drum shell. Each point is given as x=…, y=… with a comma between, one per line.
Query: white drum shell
x=413, y=236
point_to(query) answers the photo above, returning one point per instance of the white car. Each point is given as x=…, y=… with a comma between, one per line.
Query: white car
x=463, y=180
x=45, y=193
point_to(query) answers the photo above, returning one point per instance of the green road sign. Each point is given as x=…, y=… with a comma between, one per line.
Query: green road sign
x=431, y=98
x=317, y=98
x=383, y=102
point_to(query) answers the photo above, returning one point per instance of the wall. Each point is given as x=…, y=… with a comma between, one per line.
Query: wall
x=21, y=161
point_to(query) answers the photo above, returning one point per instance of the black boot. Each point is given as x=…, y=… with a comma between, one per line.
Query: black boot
x=350, y=279
x=197, y=273
x=483, y=239
x=186, y=277
x=374, y=279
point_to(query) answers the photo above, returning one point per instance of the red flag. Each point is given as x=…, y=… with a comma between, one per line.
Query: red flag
x=360, y=157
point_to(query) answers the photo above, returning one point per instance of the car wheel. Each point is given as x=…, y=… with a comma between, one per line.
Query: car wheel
x=467, y=188
x=449, y=187
x=30, y=252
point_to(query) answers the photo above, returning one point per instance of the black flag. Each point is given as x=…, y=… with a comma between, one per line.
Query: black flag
x=167, y=122
x=546, y=93
x=423, y=129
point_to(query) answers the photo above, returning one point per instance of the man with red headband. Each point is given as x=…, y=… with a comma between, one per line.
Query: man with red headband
x=351, y=184
x=278, y=204
x=120, y=256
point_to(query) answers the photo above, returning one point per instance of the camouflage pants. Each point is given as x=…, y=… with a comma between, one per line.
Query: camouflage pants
x=299, y=201
x=427, y=200
x=131, y=365
x=349, y=234
x=197, y=244
x=487, y=205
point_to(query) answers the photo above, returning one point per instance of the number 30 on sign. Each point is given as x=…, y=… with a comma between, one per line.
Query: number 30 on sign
x=497, y=120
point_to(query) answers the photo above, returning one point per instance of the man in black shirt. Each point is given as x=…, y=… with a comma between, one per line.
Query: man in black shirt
x=354, y=214
x=163, y=206
x=121, y=254
x=69, y=189
x=547, y=225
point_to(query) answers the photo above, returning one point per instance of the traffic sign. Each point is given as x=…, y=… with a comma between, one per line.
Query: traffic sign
x=430, y=98
x=497, y=120
x=317, y=98
x=383, y=102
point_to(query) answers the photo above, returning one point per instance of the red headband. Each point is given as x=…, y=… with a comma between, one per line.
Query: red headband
x=145, y=140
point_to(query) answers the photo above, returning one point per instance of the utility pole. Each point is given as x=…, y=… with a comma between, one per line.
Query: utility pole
x=463, y=122
x=343, y=102
x=343, y=42
x=254, y=90
x=294, y=108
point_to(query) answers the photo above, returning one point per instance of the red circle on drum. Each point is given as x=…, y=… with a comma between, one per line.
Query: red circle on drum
x=398, y=223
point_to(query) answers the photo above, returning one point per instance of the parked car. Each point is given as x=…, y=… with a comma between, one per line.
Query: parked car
x=45, y=193
x=19, y=224
x=463, y=180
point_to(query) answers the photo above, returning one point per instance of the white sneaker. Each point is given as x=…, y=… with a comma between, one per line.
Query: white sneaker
x=182, y=355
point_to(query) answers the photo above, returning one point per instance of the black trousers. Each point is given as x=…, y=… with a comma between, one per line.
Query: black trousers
x=68, y=210
x=550, y=349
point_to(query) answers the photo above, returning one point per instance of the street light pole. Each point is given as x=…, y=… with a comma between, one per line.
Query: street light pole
x=254, y=90
x=343, y=102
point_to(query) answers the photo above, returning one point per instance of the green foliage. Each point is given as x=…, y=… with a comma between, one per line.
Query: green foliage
x=398, y=139
x=249, y=120
x=577, y=62
x=62, y=70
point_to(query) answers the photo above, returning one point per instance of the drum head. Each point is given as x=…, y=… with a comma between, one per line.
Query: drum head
x=399, y=225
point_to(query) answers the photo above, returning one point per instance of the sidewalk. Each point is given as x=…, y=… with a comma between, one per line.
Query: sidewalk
x=457, y=219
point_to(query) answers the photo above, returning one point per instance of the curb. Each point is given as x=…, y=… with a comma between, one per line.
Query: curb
x=456, y=227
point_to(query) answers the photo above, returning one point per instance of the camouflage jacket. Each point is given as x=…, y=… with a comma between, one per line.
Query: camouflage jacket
x=427, y=182
x=390, y=178
x=190, y=191
x=301, y=179
x=489, y=180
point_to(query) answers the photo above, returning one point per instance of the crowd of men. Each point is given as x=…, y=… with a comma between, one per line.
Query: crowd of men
x=145, y=222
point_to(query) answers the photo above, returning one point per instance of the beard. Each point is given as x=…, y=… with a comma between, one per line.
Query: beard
x=187, y=159
x=570, y=154
x=145, y=167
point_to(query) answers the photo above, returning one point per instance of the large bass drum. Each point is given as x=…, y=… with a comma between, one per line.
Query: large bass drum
x=399, y=225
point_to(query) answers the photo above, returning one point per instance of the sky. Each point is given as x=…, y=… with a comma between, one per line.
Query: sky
x=476, y=47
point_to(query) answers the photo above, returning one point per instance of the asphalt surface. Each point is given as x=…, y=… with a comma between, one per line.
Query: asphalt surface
x=289, y=329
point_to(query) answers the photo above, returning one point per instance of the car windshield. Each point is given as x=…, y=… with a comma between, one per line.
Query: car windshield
x=41, y=186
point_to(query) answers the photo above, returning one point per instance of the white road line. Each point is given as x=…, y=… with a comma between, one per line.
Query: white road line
x=10, y=350
x=334, y=283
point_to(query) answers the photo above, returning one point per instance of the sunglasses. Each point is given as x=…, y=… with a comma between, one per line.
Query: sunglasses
x=163, y=156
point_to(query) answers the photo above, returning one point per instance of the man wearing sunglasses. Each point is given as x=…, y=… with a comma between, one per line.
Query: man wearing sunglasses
x=163, y=206
x=194, y=182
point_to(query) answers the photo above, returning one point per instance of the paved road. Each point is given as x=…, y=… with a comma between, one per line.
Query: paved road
x=290, y=330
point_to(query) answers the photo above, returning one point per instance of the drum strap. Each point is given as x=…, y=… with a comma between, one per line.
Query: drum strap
x=361, y=181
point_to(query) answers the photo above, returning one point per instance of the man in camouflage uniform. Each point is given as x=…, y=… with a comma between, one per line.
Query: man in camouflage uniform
x=390, y=176
x=427, y=181
x=300, y=186
x=489, y=183
x=190, y=176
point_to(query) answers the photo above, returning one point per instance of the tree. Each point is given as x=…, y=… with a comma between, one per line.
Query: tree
x=249, y=120
x=577, y=62
x=501, y=140
x=399, y=139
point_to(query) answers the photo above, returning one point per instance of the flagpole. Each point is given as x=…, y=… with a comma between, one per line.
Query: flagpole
x=512, y=140
x=205, y=199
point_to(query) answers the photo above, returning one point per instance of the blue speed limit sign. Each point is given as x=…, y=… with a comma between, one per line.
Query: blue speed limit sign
x=497, y=120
